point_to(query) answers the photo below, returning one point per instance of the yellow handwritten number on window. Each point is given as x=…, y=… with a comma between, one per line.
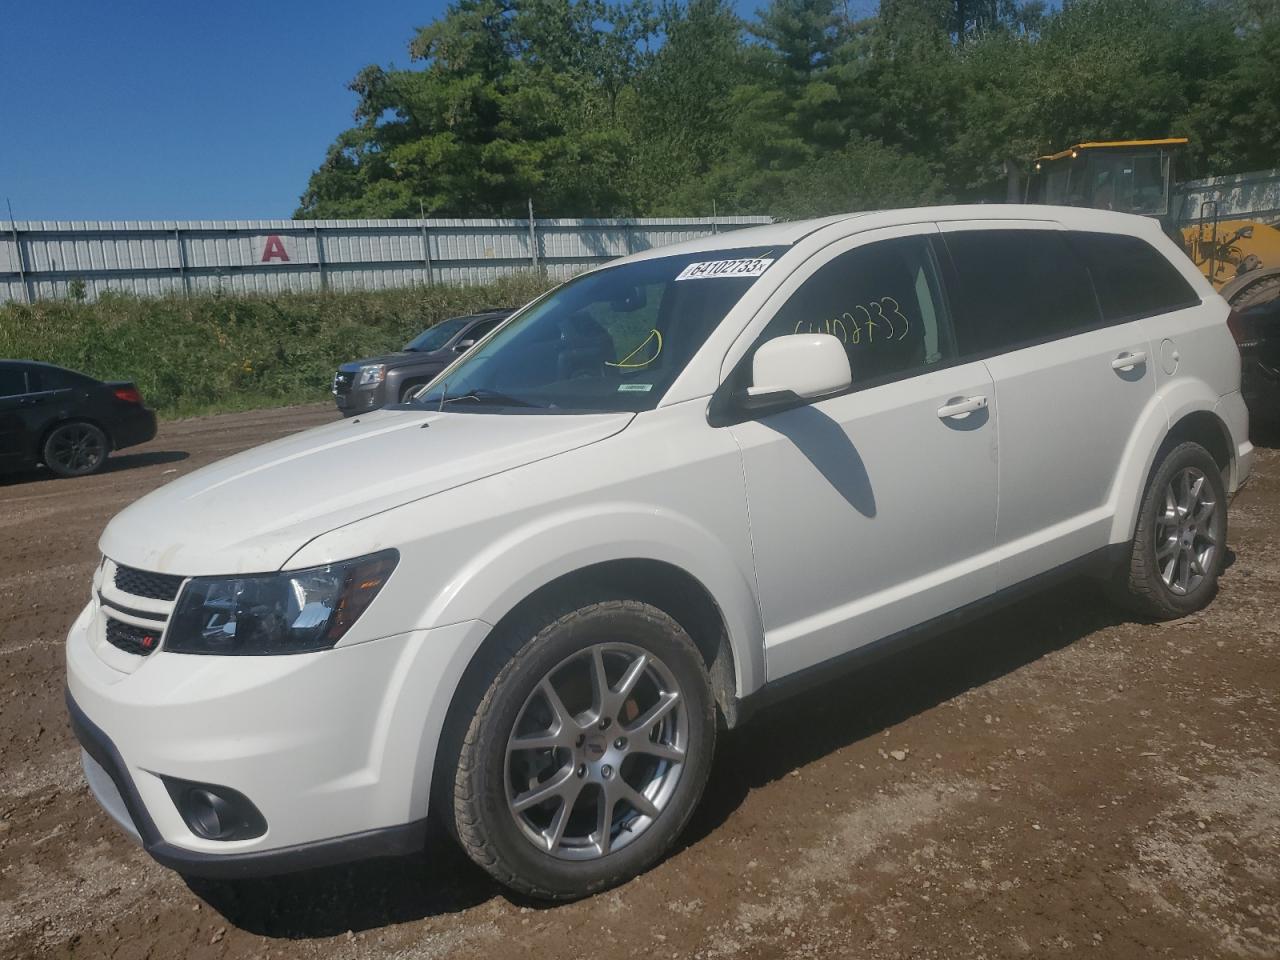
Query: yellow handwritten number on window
x=629, y=361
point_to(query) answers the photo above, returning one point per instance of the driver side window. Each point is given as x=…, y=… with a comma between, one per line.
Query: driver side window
x=883, y=301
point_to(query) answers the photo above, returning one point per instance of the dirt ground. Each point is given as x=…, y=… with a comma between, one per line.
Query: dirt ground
x=1070, y=783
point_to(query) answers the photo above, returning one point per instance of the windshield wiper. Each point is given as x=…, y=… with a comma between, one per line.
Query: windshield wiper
x=482, y=395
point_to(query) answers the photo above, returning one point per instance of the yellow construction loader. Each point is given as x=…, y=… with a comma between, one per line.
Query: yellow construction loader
x=1240, y=257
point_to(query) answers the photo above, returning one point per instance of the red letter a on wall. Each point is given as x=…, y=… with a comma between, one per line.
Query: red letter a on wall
x=274, y=250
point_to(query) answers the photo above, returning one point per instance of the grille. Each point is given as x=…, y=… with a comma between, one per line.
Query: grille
x=154, y=586
x=136, y=640
x=342, y=382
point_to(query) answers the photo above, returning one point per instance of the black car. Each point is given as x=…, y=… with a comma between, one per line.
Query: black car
x=364, y=385
x=65, y=420
x=1257, y=331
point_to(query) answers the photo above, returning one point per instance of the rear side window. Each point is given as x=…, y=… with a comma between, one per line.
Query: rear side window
x=1133, y=278
x=1018, y=287
x=13, y=381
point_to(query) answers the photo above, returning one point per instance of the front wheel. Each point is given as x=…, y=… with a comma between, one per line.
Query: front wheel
x=75, y=449
x=1179, y=545
x=587, y=753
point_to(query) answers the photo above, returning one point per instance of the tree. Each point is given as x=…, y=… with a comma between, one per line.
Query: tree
x=514, y=101
x=595, y=107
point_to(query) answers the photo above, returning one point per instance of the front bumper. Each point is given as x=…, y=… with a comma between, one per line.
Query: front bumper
x=113, y=788
x=335, y=748
x=360, y=400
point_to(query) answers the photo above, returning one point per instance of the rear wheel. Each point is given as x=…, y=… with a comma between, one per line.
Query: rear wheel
x=1180, y=542
x=75, y=449
x=587, y=753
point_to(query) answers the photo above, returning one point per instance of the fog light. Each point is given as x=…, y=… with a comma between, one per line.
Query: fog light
x=214, y=812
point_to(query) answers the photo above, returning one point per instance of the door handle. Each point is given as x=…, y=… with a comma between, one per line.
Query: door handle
x=960, y=407
x=1127, y=360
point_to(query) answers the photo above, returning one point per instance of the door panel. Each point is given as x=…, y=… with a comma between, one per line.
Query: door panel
x=1067, y=411
x=870, y=513
x=874, y=510
x=1070, y=387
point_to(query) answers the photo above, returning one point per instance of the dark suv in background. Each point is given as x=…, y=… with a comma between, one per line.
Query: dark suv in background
x=364, y=385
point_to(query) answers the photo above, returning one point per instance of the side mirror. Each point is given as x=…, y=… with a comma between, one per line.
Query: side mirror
x=799, y=366
x=462, y=346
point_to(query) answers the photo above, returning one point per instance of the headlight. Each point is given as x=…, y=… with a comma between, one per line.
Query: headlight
x=371, y=373
x=295, y=611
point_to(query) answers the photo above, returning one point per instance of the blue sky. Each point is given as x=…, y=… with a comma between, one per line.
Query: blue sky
x=138, y=110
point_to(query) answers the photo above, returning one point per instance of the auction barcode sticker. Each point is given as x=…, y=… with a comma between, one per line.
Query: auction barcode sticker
x=713, y=269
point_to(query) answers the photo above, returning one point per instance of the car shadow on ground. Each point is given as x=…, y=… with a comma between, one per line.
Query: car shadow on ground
x=323, y=903
x=114, y=464
x=332, y=900
x=881, y=695
x=131, y=461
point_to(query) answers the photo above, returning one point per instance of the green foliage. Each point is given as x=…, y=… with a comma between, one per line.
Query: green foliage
x=604, y=108
x=212, y=353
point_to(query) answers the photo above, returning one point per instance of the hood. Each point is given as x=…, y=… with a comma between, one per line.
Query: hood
x=251, y=512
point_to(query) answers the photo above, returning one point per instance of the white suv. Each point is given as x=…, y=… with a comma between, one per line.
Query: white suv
x=664, y=493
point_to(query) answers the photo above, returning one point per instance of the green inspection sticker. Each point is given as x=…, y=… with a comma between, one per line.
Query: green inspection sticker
x=634, y=387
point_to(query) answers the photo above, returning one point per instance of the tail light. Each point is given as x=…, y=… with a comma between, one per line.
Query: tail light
x=128, y=394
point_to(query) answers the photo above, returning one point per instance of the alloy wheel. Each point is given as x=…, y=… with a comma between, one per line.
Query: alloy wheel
x=76, y=448
x=596, y=751
x=1187, y=532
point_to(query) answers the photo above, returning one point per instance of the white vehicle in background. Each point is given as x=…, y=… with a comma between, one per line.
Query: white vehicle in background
x=666, y=492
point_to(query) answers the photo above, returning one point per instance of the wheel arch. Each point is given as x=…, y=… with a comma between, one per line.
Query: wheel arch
x=665, y=584
x=1185, y=416
x=414, y=381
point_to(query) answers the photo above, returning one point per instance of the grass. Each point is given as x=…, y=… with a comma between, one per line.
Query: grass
x=216, y=353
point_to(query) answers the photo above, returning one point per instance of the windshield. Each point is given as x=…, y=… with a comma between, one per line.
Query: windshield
x=434, y=338
x=611, y=340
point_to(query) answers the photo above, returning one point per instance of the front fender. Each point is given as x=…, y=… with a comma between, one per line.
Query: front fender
x=491, y=583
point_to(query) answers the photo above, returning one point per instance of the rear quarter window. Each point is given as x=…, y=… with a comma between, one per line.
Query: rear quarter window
x=1133, y=278
x=55, y=378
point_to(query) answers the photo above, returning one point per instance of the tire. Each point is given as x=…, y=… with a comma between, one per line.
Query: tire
x=75, y=449
x=637, y=752
x=1253, y=294
x=1173, y=566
